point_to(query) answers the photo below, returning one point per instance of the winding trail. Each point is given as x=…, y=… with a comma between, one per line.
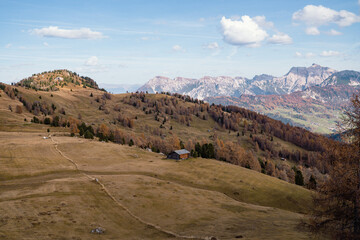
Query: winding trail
x=168, y=232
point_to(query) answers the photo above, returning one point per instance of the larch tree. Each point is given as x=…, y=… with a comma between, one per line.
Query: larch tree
x=337, y=203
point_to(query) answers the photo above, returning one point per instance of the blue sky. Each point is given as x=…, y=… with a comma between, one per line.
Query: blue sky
x=129, y=42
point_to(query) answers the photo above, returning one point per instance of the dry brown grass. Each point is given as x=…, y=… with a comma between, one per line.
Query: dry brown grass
x=42, y=196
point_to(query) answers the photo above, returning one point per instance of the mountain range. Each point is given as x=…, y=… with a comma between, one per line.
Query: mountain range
x=311, y=97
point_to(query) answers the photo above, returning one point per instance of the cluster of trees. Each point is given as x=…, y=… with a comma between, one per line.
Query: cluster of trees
x=86, y=131
x=172, y=106
x=89, y=82
x=11, y=92
x=36, y=107
x=298, y=136
x=125, y=121
x=206, y=150
x=54, y=121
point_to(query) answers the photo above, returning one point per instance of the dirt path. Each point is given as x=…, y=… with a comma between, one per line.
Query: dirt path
x=168, y=232
x=177, y=182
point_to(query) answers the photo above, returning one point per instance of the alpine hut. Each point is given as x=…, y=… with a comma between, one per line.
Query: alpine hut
x=179, y=154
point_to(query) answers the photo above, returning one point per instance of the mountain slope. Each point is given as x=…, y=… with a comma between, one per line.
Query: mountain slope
x=316, y=108
x=69, y=186
x=350, y=78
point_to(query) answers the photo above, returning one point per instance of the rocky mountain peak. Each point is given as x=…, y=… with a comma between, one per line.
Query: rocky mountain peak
x=297, y=79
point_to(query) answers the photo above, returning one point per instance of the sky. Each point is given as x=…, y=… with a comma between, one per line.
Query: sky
x=129, y=42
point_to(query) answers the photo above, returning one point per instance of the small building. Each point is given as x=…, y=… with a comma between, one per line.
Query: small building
x=179, y=154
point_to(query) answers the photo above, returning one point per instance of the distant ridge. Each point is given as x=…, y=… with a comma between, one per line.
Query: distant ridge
x=297, y=79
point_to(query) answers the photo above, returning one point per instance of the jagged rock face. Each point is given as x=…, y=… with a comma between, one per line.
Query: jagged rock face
x=351, y=78
x=197, y=88
x=164, y=84
x=297, y=79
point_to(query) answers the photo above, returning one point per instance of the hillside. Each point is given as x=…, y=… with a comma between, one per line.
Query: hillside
x=317, y=109
x=43, y=196
x=138, y=193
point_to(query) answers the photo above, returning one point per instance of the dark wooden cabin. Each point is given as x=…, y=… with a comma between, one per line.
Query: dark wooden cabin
x=179, y=154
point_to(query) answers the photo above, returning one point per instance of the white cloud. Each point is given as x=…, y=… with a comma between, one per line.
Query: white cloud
x=280, y=38
x=329, y=53
x=45, y=44
x=243, y=32
x=312, y=31
x=177, y=48
x=333, y=32
x=319, y=15
x=261, y=21
x=81, y=33
x=92, y=61
x=298, y=54
x=8, y=45
x=213, y=45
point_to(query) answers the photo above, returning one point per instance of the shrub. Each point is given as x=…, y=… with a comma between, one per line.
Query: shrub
x=47, y=121
x=62, y=111
x=35, y=120
x=89, y=135
x=106, y=96
x=299, y=179
x=55, y=121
